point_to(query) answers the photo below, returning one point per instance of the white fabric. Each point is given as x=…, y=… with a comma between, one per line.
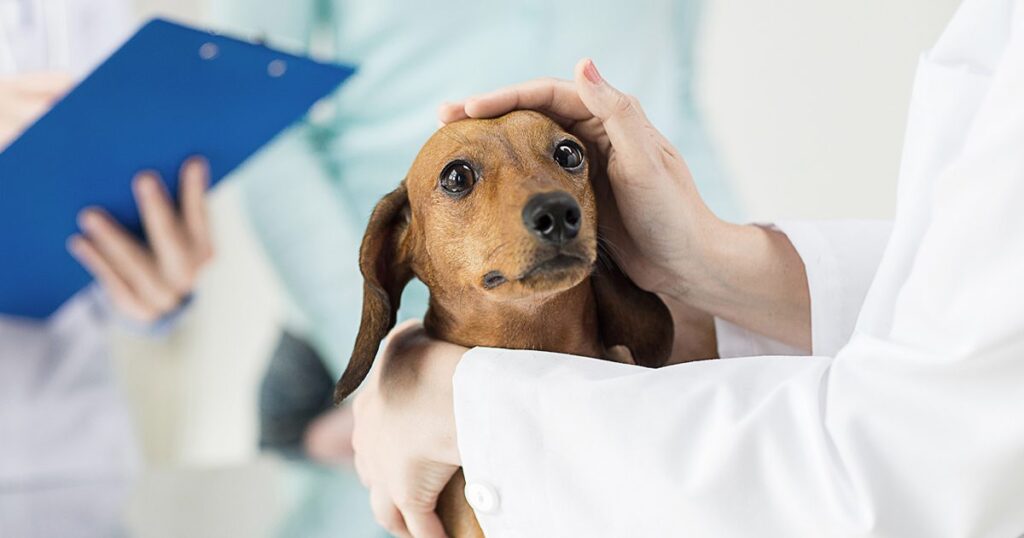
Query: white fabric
x=911, y=428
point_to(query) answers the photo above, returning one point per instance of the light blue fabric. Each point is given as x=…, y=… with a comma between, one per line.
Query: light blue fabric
x=309, y=194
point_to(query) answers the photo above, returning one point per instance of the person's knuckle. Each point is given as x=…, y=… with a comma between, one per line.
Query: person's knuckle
x=623, y=105
x=407, y=501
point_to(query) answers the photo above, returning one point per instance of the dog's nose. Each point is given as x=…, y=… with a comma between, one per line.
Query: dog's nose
x=553, y=216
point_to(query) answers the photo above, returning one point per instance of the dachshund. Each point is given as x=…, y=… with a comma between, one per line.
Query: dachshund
x=498, y=217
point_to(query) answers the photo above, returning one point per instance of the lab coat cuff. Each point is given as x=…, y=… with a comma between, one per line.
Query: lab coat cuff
x=735, y=341
x=160, y=328
x=824, y=283
x=500, y=442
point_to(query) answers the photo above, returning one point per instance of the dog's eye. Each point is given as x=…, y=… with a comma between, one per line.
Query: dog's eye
x=457, y=178
x=569, y=155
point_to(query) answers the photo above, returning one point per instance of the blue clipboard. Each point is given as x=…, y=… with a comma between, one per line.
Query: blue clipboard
x=168, y=93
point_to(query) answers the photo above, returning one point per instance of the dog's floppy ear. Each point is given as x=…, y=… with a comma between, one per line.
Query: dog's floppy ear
x=385, y=262
x=631, y=317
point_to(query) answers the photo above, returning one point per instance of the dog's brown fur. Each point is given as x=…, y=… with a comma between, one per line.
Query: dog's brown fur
x=451, y=243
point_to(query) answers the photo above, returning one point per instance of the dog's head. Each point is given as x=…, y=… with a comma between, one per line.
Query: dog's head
x=498, y=210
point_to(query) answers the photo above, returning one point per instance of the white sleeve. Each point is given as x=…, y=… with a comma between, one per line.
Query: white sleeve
x=840, y=258
x=915, y=431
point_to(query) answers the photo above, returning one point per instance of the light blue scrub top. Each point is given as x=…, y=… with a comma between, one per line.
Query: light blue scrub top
x=309, y=194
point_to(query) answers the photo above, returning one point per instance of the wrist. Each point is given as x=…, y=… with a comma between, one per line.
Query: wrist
x=696, y=277
x=444, y=360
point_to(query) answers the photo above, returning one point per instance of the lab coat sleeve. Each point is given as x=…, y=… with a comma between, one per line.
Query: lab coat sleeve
x=911, y=431
x=840, y=258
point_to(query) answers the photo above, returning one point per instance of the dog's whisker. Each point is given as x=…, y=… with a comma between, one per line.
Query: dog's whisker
x=608, y=251
x=604, y=261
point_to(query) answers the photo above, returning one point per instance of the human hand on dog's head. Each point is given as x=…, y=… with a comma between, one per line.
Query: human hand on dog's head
x=651, y=212
x=404, y=438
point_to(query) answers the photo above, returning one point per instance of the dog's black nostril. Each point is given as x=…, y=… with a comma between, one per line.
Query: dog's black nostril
x=554, y=217
x=572, y=217
x=544, y=223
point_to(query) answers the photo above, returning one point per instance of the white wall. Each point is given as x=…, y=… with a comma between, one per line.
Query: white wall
x=807, y=99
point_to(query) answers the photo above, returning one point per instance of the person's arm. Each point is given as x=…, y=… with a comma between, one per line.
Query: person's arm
x=840, y=259
x=914, y=432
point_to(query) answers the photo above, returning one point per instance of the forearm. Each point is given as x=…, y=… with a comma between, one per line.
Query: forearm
x=751, y=276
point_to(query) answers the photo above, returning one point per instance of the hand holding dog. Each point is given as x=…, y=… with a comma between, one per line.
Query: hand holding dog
x=404, y=438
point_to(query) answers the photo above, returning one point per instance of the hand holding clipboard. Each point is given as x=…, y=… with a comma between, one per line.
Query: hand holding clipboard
x=169, y=93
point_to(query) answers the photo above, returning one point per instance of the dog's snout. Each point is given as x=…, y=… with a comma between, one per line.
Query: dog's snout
x=553, y=216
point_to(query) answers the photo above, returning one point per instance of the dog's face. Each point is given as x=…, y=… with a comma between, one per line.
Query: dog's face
x=502, y=208
x=498, y=210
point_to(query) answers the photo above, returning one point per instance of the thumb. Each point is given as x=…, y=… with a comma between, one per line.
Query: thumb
x=624, y=121
x=424, y=524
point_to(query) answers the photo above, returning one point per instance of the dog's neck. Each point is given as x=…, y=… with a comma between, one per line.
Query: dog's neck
x=565, y=322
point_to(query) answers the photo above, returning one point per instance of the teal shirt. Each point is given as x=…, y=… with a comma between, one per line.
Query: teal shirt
x=310, y=192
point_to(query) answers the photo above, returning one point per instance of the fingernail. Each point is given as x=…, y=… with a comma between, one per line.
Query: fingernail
x=197, y=162
x=144, y=184
x=591, y=73
x=88, y=219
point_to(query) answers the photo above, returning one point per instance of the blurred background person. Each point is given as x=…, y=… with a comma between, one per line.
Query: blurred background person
x=67, y=448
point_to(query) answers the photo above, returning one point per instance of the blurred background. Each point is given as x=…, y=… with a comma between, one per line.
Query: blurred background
x=785, y=109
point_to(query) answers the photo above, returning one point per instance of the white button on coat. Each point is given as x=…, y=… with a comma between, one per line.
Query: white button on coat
x=483, y=498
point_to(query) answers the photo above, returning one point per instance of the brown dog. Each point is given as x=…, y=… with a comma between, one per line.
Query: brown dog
x=498, y=218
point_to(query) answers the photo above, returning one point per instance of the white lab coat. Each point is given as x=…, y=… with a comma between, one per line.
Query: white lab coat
x=907, y=422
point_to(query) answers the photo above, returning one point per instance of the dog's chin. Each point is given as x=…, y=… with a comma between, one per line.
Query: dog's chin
x=550, y=275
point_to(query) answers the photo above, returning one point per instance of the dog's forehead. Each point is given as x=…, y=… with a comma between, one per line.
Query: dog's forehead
x=515, y=132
